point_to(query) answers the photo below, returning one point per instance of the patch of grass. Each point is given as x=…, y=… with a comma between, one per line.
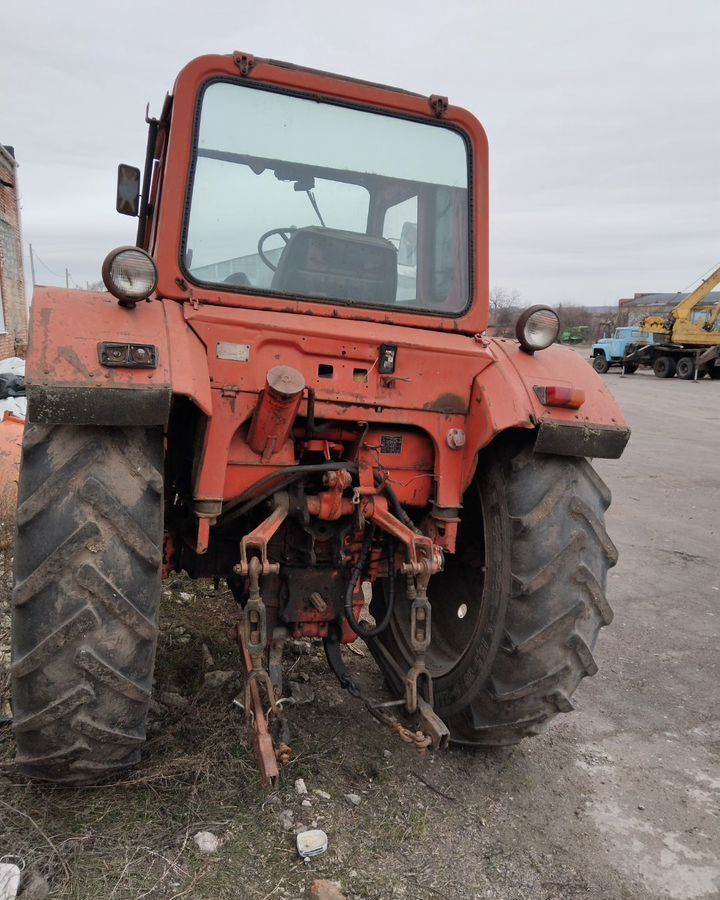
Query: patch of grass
x=133, y=837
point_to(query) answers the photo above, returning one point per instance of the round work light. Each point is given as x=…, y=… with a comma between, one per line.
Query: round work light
x=537, y=328
x=130, y=274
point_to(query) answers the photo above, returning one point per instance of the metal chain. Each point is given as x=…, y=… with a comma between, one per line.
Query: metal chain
x=418, y=739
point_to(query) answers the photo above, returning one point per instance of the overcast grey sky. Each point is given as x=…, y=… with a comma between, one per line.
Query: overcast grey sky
x=602, y=118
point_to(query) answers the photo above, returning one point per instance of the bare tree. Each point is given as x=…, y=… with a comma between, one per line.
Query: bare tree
x=571, y=314
x=504, y=305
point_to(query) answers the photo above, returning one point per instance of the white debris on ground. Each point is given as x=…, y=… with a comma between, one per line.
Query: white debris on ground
x=9, y=881
x=311, y=843
x=207, y=842
x=15, y=405
x=300, y=787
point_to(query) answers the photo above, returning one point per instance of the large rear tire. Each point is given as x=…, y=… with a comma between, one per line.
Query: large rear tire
x=86, y=597
x=685, y=368
x=517, y=611
x=664, y=367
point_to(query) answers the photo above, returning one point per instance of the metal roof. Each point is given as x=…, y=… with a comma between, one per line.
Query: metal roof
x=669, y=300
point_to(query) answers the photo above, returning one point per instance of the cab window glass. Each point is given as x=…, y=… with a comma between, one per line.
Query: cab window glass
x=299, y=197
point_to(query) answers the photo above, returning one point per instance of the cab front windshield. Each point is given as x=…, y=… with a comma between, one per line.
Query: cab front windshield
x=310, y=199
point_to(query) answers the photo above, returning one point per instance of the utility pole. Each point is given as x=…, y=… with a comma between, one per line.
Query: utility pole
x=67, y=279
x=32, y=265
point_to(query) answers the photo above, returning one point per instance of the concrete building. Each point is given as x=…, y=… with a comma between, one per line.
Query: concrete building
x=13, y=308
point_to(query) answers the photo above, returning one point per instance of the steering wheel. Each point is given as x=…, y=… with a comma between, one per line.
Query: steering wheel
x=285, y=234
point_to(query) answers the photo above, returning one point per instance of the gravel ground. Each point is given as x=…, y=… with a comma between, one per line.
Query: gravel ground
x=618, y=800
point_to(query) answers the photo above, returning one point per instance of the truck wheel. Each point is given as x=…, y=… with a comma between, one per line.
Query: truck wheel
x=517, y=611
x=600, y=364
x=685, y=368
x=713, y=372
x=86, y=596
x=664, y=367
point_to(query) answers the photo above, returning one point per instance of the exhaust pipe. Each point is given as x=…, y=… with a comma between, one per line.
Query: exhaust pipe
x=276, y=410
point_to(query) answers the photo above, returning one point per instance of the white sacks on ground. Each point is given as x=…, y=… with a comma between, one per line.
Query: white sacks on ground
x=15, y=405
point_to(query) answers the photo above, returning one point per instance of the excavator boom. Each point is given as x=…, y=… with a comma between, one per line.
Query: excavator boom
x=679, y=326
x=683, y=311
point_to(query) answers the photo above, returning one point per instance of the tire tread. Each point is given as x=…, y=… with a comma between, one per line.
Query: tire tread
x=560, y=556
x=86, y=598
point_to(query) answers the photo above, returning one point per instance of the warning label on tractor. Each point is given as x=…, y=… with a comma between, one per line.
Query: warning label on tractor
x=391, y=444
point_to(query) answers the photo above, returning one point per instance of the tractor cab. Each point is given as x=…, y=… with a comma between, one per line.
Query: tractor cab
x=348, y=199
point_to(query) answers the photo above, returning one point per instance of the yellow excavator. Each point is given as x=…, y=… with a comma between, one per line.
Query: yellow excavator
x=686, y=341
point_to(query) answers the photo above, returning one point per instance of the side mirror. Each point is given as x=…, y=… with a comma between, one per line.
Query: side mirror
x=407, y=251
x=128, y=190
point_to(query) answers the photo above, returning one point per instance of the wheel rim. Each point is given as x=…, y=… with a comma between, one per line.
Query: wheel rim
x=456, y=596
x=685, y=368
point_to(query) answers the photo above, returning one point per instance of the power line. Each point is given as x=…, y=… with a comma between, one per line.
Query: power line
x=43, y=263
x=702, y=278
x=35, y=256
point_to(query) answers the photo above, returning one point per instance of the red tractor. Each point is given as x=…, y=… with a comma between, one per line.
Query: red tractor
x=287, y=385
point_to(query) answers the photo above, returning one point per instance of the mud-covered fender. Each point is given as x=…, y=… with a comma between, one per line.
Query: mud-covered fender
x=504, y=397
x=68, y=381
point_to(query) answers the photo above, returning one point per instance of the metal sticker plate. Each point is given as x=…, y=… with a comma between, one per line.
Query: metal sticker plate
x=391, y=444
x=238, y=352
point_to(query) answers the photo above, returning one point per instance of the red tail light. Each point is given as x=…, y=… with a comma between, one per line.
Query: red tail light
x=555, y=395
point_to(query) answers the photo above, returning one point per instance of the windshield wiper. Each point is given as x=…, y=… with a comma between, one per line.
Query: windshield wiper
x=311, y=198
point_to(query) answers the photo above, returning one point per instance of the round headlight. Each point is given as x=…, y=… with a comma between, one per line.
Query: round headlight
x=537, y=328
x=129, y=273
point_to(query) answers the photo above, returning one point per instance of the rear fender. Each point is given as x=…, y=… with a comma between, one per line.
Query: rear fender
x=503, y=398
x=67, y=382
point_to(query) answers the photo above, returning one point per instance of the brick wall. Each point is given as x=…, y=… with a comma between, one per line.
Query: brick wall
x=13, y=327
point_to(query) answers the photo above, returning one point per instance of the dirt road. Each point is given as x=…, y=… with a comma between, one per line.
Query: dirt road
x=619, y=800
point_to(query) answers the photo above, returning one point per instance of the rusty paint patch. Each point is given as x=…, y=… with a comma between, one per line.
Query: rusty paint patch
x=70, y=355
x=453, y=404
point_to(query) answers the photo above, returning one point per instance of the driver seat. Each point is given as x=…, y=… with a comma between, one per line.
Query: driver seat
x=339, y=265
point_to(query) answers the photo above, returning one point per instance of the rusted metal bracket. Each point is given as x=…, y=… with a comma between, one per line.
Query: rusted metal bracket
x=433, y=726
x=244, y=61
x=203, y=535
x=259, y=538
x=439, y=105
x=420, y=633
x=267, y=762
x=424, y=557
